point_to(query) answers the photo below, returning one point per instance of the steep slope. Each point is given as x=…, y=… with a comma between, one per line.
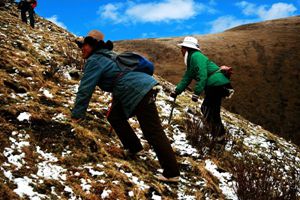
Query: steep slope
x=46, y=156
x=266, y=69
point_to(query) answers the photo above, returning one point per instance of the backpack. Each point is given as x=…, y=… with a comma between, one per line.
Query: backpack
x=130, y=61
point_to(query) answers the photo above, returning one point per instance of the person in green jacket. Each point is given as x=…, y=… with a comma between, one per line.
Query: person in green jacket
x=209, y=79
x=133, y=95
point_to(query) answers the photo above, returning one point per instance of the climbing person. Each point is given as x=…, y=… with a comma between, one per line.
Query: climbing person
x=27, y=6
x=132, y=93
x=209, y=79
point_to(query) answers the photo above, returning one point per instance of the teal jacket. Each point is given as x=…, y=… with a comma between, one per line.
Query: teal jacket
x=203, y=70
x=127, y=89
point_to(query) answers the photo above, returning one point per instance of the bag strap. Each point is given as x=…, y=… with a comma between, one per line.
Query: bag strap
x=218, y=70
x=112, y=56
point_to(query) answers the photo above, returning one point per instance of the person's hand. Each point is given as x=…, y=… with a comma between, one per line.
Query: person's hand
x=173, y=95
x=195, y=98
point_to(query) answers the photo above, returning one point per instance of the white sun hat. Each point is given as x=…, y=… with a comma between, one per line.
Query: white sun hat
x=190, y=42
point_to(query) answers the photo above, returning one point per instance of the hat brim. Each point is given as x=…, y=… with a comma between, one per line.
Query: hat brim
x=188, y=46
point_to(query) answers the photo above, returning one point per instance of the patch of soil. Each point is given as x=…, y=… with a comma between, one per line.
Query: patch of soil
x=53, y=135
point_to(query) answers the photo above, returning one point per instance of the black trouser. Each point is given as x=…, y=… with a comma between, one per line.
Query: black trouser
x=211, y=108
x=27, y=7
x=147, y=115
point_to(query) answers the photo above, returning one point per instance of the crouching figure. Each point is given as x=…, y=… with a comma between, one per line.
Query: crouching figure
x=133, y=94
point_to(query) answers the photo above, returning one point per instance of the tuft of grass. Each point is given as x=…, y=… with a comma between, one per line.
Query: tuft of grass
x=6, y=193
x=258, y=179
x=198, y=133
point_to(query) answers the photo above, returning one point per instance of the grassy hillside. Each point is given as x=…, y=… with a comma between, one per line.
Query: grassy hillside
x=46, y=156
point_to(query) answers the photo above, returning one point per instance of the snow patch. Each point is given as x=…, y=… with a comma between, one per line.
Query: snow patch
x=130, y=193
x=135, y=180
x=24, y=189
x=14, y=154
x=227, y=185
x=47, y=169
x=105, y=193
x=59, y=117
x=24, y=116
x=46, y=93
x=85, y=184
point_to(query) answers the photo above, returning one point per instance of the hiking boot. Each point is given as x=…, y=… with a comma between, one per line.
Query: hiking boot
x=162, y=178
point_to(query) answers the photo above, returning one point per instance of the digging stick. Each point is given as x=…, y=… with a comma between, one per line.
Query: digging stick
x=173, y=105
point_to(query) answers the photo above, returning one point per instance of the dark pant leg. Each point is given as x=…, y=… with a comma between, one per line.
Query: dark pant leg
x=124, y=131
x=31, y=16
x=211, y=109
x=23, y=15
x=150, y=123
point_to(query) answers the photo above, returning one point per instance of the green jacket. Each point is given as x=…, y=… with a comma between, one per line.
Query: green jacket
x=203, y=70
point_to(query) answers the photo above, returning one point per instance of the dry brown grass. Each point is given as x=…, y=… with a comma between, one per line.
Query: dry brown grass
x=6, y=193
x=258, y=179
x=198, y=133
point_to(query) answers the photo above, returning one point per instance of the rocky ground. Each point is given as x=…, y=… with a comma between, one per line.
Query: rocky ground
x=46, y=156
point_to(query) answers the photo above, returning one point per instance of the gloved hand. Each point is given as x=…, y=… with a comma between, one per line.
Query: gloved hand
x=195, y=98
x=173, y=95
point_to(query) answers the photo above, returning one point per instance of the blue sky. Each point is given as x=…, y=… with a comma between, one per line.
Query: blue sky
x=133, y=19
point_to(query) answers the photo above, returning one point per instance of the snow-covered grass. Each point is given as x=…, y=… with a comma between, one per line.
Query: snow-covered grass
x=24, y=116
x=227, y=185
x=49, y=166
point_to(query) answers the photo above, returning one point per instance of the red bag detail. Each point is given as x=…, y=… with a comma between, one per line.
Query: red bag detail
x=34, y=4
x=227, y=71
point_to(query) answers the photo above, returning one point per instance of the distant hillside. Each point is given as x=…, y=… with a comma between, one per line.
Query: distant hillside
x=43, y=155
x=265, y=58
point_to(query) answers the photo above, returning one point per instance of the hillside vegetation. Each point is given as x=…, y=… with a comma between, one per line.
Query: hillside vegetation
x=264, y=57
x=46, y=156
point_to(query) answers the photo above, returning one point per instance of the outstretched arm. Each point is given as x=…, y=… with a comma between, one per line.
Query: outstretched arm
x=90, y=79
x=185, y=81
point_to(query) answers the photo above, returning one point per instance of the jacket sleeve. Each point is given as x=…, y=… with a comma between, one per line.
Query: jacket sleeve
x=90, y=79
x=199, y=68
x=185, y=81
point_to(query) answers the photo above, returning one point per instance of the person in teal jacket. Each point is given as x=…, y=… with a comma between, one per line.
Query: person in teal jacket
x=208, y=78
x=133, y=94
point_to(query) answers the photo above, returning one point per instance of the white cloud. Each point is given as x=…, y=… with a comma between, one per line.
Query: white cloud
x=54, y=19
x=111, y=11
x=260, y=12
x=162, y=11
x=264, y=12
x=278, y=10
x=248, y=8
x=226, y=22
